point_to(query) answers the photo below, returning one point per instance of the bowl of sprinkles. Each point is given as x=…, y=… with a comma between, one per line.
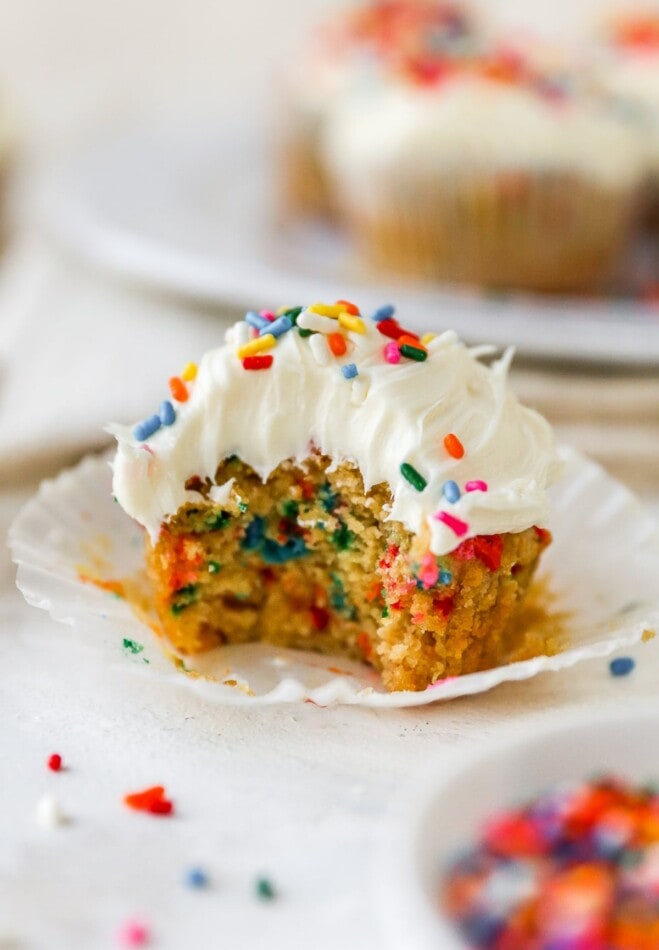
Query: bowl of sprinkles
x=551, y=843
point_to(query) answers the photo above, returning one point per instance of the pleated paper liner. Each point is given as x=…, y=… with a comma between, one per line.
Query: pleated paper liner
x=80, y=558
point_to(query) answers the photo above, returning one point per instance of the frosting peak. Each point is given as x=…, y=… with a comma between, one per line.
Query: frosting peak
x=462, y=457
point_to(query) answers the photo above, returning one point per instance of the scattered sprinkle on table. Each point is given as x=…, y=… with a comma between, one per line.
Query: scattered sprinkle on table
x=622, y=666
x=49, y=814
x=264, y=889
x=151, y=800
x=133, y=934
x=55, y=762
x=196, y=878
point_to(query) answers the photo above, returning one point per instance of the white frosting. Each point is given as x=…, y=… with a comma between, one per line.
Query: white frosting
x=631, y=81
x=387, y=415
x=469, y=124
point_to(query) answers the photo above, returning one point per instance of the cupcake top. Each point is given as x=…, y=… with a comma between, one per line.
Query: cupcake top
x=411, y=39
x=630, y=67
x=501, y=111
x=426, y=416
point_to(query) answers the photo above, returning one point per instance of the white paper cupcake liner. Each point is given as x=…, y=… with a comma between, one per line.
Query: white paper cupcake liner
x=603, y=568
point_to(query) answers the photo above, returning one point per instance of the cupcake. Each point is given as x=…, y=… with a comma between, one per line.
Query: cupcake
x=352, y=51
x=627, y=73
x=330, y=482
x=500, y=173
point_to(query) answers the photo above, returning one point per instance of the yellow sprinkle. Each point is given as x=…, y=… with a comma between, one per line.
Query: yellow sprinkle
x=427, y=337
x=281, y=311
x=189, y=372
x=350, y=322
x=265, y=342
x=326, y=309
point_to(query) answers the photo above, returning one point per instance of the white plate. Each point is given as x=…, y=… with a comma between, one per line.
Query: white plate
x=602, y=567
x=188, y=208
x=441, y=813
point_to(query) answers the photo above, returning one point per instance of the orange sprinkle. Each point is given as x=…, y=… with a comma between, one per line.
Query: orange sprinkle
x=454, y=446
x=374, y=591
x=411, y=341
x=142, y=801
x=364, y=644
x=349, y=307
x=337, y=343
x=178, y=389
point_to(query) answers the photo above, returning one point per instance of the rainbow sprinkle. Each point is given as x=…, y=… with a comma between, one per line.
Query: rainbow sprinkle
x=456, y=525
x=414, y=477
x=349, y=371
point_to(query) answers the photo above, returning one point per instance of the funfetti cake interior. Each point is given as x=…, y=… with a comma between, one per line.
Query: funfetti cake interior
x=331, y=481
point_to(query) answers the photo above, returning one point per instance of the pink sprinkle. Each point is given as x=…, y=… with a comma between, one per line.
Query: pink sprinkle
x=429, y=571
x=134, y=934
x=476, y=485
x=268, y=315
x=455, y=524
x=447, y=679
x=392, y=353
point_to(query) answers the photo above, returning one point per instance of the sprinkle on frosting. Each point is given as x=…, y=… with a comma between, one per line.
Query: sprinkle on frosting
x=402, y=397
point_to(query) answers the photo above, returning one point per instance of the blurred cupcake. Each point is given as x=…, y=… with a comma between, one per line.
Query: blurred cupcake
x=628, y=74
x=498, y=171
x=355, y=51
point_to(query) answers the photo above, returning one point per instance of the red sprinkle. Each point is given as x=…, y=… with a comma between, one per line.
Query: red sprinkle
x=364, y=644
x=151, y=800
x=487, y=548
x=178, y=389
x=390, y=328
x=258, y=362
x=349, y=307
x=55, y=762
x=454, y=446
x=320, y=617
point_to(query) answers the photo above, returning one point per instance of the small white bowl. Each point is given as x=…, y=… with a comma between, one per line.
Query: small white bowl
x=440, y=814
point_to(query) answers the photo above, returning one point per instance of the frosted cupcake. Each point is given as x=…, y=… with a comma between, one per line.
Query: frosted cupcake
x=331, y=482
x=628, y=74
x=353, y=51
x=496, y=173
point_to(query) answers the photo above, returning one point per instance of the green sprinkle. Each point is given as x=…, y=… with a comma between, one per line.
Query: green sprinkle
x=214, y=567
x=216, y=522
x=415, y=478
x=185, y=597
x=132, y=646
x=385, y=612
x=305, y=333
x=293, y=313
x=290, y=509
x=343, y=537
x=413, y=353
x=242, y=507
x=264, y=889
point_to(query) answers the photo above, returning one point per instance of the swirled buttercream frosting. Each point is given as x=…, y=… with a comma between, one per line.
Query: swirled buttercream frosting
x=426, y=415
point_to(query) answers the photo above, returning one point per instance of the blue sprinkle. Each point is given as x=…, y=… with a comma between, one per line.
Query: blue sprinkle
x=196, y=878
x=384, y=313
x=144, y=429
x=256, y=320
x=277, y=327
x=622, y=666
x=349, y=371
x=451, y=491
x=166, y=413
x=445, y=577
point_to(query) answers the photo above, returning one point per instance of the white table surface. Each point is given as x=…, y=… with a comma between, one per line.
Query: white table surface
x=297, y=793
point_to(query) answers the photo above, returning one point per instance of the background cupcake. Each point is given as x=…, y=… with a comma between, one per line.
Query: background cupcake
x=627, y=73
x=355, y=51
x=497, y=171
